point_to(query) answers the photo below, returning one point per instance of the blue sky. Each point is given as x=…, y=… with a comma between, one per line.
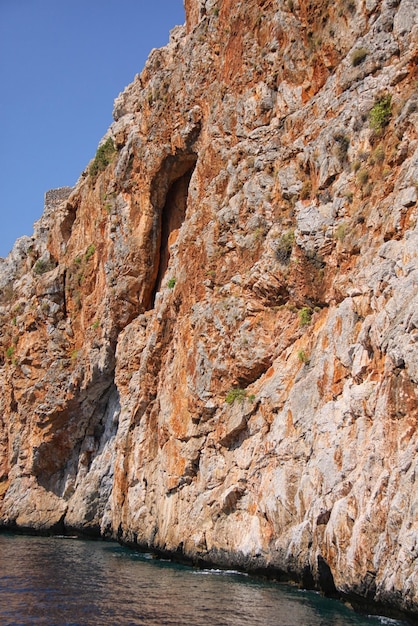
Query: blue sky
x=62, y=63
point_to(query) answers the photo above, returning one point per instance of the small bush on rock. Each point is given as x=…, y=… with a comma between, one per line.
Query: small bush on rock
x=284, y=247
x=381, y=113
x=306, y=191
x=90, y=251
x=42, y=267
x=104, y=156
x=341, y=231
x=303, y=357
x=237, y=394
x=358, y=56
x=305, y=316
x=362, y=177
x=341, y=146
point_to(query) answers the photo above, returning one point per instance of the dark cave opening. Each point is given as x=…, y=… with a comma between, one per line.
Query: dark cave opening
x=172, y=213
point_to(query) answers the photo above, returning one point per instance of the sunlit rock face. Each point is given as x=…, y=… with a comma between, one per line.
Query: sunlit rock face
x=209, y=346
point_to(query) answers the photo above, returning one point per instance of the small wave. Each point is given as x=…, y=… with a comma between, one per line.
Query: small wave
x=148, y=556
x=66, y=536
x=387, y=621
x=219, y=572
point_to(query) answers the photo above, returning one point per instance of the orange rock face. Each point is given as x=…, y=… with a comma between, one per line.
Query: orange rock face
x=209, y=345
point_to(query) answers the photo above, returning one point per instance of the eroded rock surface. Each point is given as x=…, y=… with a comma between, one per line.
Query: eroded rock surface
x=209, y=345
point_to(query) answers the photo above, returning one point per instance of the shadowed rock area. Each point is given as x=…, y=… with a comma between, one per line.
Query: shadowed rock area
x=209, y=345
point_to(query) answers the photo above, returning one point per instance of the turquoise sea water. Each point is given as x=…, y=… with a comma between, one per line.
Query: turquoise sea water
x=63, y=581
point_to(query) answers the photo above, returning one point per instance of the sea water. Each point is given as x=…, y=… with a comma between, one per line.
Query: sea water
x=68, y=581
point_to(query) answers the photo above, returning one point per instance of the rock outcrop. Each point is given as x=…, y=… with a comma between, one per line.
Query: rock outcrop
x=209, y=345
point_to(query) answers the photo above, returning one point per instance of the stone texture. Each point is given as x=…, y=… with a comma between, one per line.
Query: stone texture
x=251, y=232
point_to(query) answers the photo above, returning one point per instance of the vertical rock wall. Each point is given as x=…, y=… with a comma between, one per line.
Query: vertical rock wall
x=209, y=346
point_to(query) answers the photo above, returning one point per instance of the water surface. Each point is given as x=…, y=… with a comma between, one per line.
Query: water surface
x=62, y=581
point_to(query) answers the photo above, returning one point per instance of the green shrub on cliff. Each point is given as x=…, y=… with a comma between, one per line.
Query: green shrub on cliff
x=381, y=113
x=305, y=316
x=104, y=156
x=284, y=247
x=235, y=394
x=42, y=267
x=358, y=56
x=90, y=251
x=239, y=395
x=303, y=357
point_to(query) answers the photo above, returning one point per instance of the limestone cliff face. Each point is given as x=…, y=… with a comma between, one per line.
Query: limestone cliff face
x=209, y=345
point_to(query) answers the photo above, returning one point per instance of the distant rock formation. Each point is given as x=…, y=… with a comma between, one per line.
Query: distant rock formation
x=209, y=345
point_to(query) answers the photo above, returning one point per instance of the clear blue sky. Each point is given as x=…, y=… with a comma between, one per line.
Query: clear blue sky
x=62, y=63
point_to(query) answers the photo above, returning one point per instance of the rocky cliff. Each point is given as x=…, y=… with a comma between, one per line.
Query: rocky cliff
x=209, y=345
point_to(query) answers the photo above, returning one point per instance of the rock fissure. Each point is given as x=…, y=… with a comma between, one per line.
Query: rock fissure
x=171, y=212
